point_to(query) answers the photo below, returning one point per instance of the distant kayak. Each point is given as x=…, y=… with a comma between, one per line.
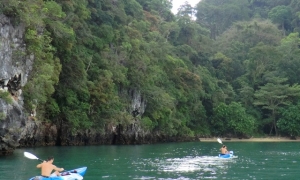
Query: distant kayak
x=230, y=155
x=74, y=174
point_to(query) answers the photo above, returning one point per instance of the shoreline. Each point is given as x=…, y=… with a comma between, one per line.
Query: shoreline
x=267, y=139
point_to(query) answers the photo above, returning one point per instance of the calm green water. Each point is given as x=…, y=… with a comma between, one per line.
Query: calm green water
x=184, y=161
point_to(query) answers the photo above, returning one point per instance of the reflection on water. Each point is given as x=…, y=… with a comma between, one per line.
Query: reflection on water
x=204, y=166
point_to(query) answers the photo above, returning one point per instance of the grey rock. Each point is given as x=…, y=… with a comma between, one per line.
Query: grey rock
x=15, y=66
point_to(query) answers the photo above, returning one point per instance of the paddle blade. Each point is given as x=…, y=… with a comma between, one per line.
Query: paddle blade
x=30, y=156
x=219, y=140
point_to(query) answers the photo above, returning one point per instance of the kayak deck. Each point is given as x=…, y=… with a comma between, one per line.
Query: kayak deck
x=229, y=155
x=74, y=174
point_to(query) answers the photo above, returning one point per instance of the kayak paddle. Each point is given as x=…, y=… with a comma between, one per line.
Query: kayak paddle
x=219, y=140
x=31, y=156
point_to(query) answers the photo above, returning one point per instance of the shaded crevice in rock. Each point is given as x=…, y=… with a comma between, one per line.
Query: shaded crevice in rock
x=14, y=86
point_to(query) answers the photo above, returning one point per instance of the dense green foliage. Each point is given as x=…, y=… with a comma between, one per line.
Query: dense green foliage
x=220, y=68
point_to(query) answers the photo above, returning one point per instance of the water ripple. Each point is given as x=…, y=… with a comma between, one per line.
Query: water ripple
x=206, y=167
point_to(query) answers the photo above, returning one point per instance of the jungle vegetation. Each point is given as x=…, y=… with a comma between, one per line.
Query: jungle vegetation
x=222, y=67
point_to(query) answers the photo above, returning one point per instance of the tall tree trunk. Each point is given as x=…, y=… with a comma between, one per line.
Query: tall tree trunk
x=274, y=122
x=283, y=30
x=271, y=129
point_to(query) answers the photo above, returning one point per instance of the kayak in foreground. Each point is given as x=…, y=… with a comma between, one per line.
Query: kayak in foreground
x=230, y=155
x=74, y=174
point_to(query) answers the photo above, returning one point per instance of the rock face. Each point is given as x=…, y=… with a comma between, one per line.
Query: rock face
x=114, y=134
x=18, y=130
x=14, y=68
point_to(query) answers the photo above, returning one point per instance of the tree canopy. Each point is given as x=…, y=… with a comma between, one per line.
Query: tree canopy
x=217, y=68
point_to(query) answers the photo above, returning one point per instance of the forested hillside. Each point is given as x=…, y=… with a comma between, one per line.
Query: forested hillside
x=224, y=67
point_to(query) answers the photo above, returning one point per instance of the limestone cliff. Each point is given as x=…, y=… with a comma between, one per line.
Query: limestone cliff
x=18, y=129
x=15, y=66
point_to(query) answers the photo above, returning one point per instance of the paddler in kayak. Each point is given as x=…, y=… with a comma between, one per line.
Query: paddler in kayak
x=47, y=167
x=224, y=150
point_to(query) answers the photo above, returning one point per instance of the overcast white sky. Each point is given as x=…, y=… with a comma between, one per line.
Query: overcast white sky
x=178, y=3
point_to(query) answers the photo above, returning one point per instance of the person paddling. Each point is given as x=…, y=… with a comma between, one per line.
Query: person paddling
x=224, y=150
x=47, y=167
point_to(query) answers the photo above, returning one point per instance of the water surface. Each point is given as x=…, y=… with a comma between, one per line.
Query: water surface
x=179, y=161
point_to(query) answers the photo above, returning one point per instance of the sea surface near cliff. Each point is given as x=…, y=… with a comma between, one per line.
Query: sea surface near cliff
x=193, y=160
